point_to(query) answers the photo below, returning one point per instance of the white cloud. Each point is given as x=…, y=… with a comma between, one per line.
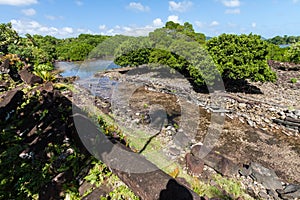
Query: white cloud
x=158, y=22
x=214, y=23
x=52, y=17
x=233, y=11
x=134, y=30
x=68, y=30
x=253, y=24
x=231, y=3
x=180, y=6
x=34, y=27
x=199, y=24
x=174, y=18
x=130, y=30
x=18, y=2
x=102, y=27
x=138, y=7
x=29, y=12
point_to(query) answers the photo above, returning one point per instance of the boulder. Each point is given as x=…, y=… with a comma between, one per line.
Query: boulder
x=48, y=87
x=29, y=78
x=290, y=192
x=218, y=162
x=265, y=176
x=10, y=102
x=194, y=165
x=4, y=67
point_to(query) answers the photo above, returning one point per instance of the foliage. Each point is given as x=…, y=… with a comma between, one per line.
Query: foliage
x=99, y=175
x=45, y=71
x=133, y=52
x=7, y=36
x=176, y=46
x=293, y=53
x=279, y=40
x=107, y=48
x=186, y=29
x=294, y=80
x=22, y=177
x=14, y=60
x=241, y=57
x=77, y=49
x=74, y=51
x=277, y=53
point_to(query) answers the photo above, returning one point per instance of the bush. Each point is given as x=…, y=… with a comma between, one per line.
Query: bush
x=293, y=53
x=241, y=57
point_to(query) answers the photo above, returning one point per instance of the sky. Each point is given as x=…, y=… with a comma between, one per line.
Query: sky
x=69, y=18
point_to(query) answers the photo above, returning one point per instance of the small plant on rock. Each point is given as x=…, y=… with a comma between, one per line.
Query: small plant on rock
x=294, y=80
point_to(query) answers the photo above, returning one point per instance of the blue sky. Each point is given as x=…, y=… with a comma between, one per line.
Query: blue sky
x=68, y=18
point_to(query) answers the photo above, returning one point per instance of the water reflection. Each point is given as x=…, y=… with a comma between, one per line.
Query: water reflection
x=84, y=70
x=101, y=87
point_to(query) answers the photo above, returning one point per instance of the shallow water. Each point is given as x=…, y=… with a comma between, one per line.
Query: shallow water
x=84, y=70
x=101, y=87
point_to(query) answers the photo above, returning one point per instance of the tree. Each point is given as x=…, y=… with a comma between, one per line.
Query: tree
x=241, y=57
x=186, y=29
x=133, y=52
x=293, y=53
x=7, y=36
x=171, y=46
x=277, y=53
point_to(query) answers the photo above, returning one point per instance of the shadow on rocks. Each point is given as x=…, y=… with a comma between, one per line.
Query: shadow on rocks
x=240, y=86
x=175, y=191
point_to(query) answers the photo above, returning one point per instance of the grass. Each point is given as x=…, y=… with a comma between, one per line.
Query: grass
x=224, y=188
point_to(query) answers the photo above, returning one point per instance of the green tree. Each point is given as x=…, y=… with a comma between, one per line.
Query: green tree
x=186, y=29
x=241, y=57
x=7, y=36
x=293, y=53
x=277, y=53
x=133, y=52
x=107, y=48
x=170, y=46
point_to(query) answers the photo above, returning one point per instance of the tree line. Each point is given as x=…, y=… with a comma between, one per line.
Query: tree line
x=175, y=45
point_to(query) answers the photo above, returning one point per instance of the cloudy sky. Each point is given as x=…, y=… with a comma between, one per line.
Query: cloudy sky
x=68, y=18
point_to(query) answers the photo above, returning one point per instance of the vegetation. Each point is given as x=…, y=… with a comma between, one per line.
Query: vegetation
x=77, y=49
x=279, y=40
x=174, y=45
x=277, y=53
x=7, y=36
x=294, y=80
x=241, y=57
x=179, y=47
x=293, y=53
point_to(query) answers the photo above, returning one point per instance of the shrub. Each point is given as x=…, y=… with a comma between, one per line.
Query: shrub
x=241, y=57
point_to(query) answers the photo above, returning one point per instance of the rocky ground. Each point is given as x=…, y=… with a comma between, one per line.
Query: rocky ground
x=245, y=137
x=252, y=129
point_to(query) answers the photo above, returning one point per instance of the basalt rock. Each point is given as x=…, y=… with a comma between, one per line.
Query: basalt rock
x=266, y=176
x=10, y=102
x=195, y=165
x=4, y=67
x=218, y=162
x=29, y=78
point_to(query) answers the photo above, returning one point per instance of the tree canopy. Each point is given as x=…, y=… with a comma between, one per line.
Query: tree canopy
x=7, y=36
x=293, y=53
x=282, y=40
x=241, y=57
